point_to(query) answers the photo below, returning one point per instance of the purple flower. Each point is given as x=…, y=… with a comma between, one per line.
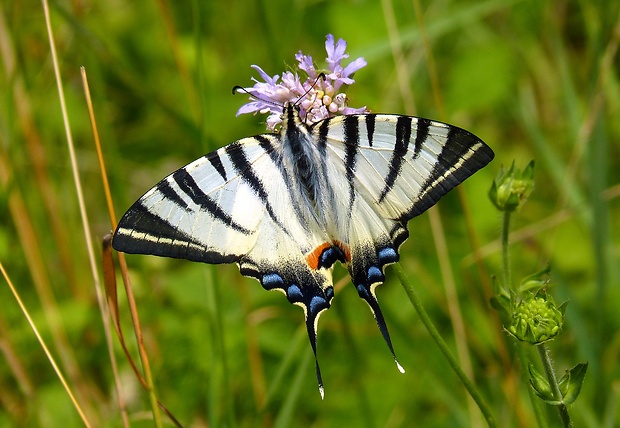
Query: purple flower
x=317, y=97
x=306, y=64
x=335, y=54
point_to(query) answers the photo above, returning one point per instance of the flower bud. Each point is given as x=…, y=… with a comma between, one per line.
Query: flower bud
x=511, y=188
x=536, y=319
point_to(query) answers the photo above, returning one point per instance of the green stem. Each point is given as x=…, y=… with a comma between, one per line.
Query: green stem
x=553, y=382
x=507, y=284
x=430, y=327
x=505, y=255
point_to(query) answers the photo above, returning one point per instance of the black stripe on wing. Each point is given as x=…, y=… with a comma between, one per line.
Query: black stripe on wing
x=321, y=143
x=351, y=141
x=422, y=129
x=166, y=189
x=142, y=232
x=370, y=127
x=461, y=156
x=216, y=162
x=403, y=135
x=245, y=169
x=188, y=185
x=268, y=146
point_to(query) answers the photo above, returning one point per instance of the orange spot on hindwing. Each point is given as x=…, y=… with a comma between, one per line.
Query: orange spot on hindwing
x=313, y=258
x=326, y=254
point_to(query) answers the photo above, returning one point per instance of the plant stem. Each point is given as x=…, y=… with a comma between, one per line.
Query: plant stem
x=505, y=254
x=430, y=327
x=507, y=284
x=553, y=382
x=537, y=403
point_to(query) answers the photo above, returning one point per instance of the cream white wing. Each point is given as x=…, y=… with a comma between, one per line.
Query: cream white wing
x=387, y=169
x=238, y=204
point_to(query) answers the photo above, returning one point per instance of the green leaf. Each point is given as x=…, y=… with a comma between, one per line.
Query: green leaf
x=570, y=384
x=541, y=386
x=528, y=172
x=531, y=286
x=562, y=309
x=536, y=281
x=500, y=290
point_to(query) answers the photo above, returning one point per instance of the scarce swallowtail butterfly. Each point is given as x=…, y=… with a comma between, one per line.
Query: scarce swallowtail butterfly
x=286, y=206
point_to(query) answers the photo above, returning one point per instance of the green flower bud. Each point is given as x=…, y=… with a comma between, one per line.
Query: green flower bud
x=511, y=188
x=536, y=320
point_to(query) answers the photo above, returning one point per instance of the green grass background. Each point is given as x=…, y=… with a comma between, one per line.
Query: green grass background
x=534, y=79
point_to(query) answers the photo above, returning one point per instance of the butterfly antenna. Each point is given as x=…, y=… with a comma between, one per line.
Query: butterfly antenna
x=320, y=76
x=299, y=100
x=236, y=89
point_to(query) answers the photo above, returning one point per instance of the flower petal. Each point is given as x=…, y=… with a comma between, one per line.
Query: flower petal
x=351, y=110
x=268, y=79
x=306, y=64
x=353, y=67
x=273, y=121
x=335, y=53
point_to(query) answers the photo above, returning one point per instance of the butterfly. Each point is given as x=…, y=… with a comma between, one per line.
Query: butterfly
x=285, y=207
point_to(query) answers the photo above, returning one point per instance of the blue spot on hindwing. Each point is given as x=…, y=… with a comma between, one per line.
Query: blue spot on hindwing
x=293, y=293
x=271, y=281
x=387, y=255
x=317, y=304
x=362, y=290
x=375, y=275
x=329, y=256
x=329, y=293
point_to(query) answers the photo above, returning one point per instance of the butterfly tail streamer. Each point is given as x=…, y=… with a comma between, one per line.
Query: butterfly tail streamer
x=311, y=324
x=367, y=293
x=314, y=298
x=366, y=284
x=313, y=307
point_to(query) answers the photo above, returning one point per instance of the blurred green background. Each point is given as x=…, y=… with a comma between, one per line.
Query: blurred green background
x=534, y=79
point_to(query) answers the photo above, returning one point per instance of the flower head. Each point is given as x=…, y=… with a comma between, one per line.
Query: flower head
x=511, y=188
x=536, y=319
x=317, y=96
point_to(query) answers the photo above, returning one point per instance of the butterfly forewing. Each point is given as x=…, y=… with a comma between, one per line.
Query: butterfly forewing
x=404, y=164
x=195, y=212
